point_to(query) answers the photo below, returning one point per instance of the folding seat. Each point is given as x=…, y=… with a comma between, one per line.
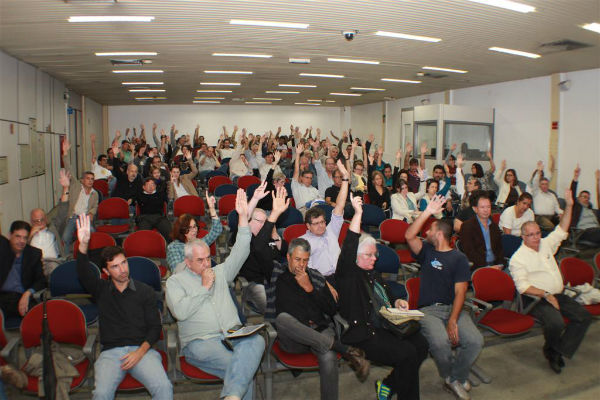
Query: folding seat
x=9, y=348
x=496, y=218
x=510, y=244
x=393, y=232
x=245, y=181
x=98, y=240
x=294, y=231
x=101, y=186
x=216, y=181
x=193, y=205
x=109, y=209
x=63, y=282
x=343, y=233
x=577, y=272
x=388, y=263
x=492, y=286
x=226, y=204
x=372, y=217
x=148, y=244
x=289, y=217
x=225, y=189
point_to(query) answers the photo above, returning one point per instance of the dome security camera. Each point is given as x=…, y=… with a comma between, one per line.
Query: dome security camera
x=349, y=34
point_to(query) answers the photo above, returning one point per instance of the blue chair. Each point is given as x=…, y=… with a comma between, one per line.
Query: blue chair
x=145, y=270
x=389, y=263
x=510, y=244
x=64, y=282
x=251, y=189
x=291, y=216
x=328, y=210
x=222, y=190
x=372, y=217
x=214, y=173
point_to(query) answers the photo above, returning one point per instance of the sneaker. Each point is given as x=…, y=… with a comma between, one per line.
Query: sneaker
x=358, y=362
x=457, y=389
x=383, y=391
x=467, y=385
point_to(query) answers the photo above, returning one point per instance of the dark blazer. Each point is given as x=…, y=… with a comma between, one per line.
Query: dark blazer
x=32, y=276
x=473, y=244
x=577, y=207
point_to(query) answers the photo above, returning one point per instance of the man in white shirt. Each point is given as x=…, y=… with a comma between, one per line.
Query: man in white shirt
x=302, y=190
x=545, y=204
x=536, y=274
x=514, y=217
x=266, y=166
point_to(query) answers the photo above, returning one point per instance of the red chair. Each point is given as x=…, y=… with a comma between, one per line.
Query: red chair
x=226, y=205
x=98, y=240
x=216, y=181
x=247, y=180
x=597, y=261
x=149, y=244
x=413, y=286
x=101, y=185
x=393, y=231
x=577, y=272
x=294, y=231
x=492, y=285
x=426, y=227
x=213, y=247
x=366, y=198
x=343, y=233
x=496, y=218
x=67, y=325
x=192, y=205
x=112, y=208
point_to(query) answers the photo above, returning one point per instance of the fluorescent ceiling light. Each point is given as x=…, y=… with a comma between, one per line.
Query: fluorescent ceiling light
x=594, y=27
x=110, y=18
x=315, y=100
x=321, y=75
x=242, y=55
x=208, y=98
x=206, y=102
x=272, y=24
x=150, y=98
x=515, y=52
x=457, y=71
x=368, y=89
x=295, y=60
x=308, y=104
x=229, y=72
x=507, y=4
x=329, y=101
x=345, y=94
x=409, y=37
x=147, y=90
x=399, y=80
x=266, y=98
x=220, y=83
x=138, y=71
x=213, y=91
x=127, y=53
x=142, y=83
x=347, y=60
x=281, y=92
x=294, y=85
x=258, y=102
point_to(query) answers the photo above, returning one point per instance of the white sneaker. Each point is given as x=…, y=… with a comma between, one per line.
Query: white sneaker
x=457, y=389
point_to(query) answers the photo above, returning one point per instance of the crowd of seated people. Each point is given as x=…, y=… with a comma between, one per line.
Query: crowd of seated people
x=300, y=286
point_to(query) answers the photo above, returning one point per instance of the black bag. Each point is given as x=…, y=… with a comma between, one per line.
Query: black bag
x=403, y=330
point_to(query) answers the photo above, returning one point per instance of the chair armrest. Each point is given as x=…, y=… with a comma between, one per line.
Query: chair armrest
x=475, y=306
x=271, y=336
x=9, y=352
x=535, y=299
x=172, y=353
x=39, y=295
x=89, y=347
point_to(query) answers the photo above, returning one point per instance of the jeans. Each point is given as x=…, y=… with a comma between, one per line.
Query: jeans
x=149, y=371
x=236, y=368
x=295, y=337
x=470, y=341
x=2, y=392
x=560, y=338
x=255, y=294
x=71, y=231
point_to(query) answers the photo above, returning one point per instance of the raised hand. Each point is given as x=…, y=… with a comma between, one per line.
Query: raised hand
x=83, y=229
x=371, y=159
x=398, y=154
x=371, y=138
x=280, y=203
x=342, y=168
x=576, y=172
x=569, y=198
x=424, y=148
x=276, y=157
x=460, y=160
x=380, y=151
x=66, y=146
x=299, y=149
x=64, y=178
x=117, y=134
x=489, y=155
x=187, y=154
x=210, y=201
x=503, y=165
x=241, y=206
x=436, y=205
x=259, y=192
x=409, y=147
x=453, y=147
x=597, y=174
x=357, y=203
x=93, y=137
x=540, y=166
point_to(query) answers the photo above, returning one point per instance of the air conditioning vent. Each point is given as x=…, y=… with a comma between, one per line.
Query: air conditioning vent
x=431, y=75
x=561, y=45
x=130, y=62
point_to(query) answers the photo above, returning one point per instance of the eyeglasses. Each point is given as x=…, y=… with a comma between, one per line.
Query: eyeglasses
x=191, y=227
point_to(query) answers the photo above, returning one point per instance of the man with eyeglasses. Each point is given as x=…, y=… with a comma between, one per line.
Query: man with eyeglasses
x=535, y=272
x=200, y=300
x=584, y=216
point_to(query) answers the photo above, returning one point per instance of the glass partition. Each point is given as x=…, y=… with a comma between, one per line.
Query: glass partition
x=473, y=140
x=426, y=132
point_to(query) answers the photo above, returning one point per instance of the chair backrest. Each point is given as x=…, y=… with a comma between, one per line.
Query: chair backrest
x=366, y=199
x=496, y=218
x=188, y=205
x=98, y=240
x=245, y=181
x=393, y=231
x=65, y=320
x=250, y=189
x=145, y=243
x=224, y=189
x=64, y=280
x=343, y=233
x=138, y=211
x=372, y=215
x=426, y=227
x=510, y=244
x=597, y=261
x=328, y=211
x=114, y=207
x=101, y=185
x=213, y=247
x=291, y=216
x=216, y=172
x=294, y=231
x=3, y=340
x=216, y=181
x=490, y=284
x=144, y=270
x=576, y=272
x=226, y=204
x=388, y=261
x=413, y=286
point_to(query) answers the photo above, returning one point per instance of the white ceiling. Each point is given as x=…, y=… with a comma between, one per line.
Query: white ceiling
x=185, y=33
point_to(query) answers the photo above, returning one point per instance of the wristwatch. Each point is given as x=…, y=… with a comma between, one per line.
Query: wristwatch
x=546, y=294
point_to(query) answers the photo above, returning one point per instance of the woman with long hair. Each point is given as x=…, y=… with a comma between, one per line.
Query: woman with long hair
x=508, y=184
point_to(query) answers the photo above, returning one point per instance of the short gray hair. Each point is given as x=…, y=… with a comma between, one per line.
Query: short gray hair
x=298, y=242
x=188, y=249
x=364, y=241
x=525, y=225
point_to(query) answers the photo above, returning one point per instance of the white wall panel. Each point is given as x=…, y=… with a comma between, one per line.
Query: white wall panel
x=8, y=86
x=58, y=107
x=27, y=92
x=10, y=193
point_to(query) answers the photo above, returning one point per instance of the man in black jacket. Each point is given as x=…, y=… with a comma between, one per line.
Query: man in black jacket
x=305, y=307
x=584, y=217
x=152, y=209
x=20, y=271
x=129, y=322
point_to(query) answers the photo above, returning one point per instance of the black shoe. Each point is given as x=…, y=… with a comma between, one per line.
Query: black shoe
x=561, y=362
x=555, y=365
